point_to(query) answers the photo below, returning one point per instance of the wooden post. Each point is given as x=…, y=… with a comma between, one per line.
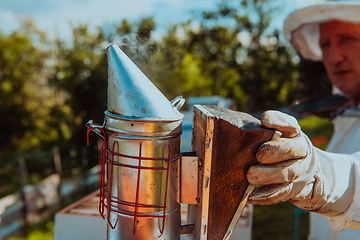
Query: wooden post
x=58, y=168
x=22, y=176
x=100, y=143
x=84, y=167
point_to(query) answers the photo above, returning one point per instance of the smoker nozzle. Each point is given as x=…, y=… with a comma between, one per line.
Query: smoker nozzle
x=131, y=93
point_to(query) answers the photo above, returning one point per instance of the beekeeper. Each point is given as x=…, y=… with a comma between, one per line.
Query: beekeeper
x=291, y=168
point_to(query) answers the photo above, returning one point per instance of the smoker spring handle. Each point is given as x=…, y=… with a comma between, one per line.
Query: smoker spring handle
x=178, y=102
x=91, y=124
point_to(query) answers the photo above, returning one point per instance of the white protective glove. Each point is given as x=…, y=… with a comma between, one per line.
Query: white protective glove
x=292, y=169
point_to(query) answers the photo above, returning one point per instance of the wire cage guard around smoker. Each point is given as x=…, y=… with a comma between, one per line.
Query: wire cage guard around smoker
x=111, y=202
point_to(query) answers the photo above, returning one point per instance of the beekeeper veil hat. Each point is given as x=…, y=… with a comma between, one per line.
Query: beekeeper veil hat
x=301, y=27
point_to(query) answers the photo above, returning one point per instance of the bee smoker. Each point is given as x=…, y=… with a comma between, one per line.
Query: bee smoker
x=144, y=175
x=141, y=133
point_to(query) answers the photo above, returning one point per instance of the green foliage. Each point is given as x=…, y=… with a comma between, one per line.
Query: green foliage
x=22, y=70
x=229, y=54
x=80, y=81
x=25, y=101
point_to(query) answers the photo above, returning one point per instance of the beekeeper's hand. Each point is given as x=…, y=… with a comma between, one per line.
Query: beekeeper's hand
x=291, y=168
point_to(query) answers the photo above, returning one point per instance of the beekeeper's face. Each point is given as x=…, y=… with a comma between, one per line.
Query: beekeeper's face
x=340, y=45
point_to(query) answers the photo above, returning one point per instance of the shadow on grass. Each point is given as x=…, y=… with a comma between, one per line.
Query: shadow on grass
x=276, y=222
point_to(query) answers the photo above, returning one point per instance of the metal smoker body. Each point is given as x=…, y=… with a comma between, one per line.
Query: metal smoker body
x=141, y=155
x=143, y=178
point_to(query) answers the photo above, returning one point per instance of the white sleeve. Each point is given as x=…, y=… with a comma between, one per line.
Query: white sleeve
x=351, y=217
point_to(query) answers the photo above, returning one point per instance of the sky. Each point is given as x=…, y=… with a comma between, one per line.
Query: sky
x=55, y=16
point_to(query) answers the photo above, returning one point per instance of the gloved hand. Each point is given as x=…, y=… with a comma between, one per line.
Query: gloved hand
x=291, y=169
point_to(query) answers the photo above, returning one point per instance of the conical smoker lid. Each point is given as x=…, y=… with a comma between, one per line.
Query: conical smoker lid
x=131, y=93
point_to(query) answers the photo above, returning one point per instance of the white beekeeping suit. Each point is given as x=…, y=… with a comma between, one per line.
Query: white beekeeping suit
x=301, y=28
x=346, y=139
x=290, y=168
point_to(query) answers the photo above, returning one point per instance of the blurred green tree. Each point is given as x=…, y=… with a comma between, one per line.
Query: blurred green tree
x=232, y=53
x=24, y=93
x=25, y=101
x=79, y=77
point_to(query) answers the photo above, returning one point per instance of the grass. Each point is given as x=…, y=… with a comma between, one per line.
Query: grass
x=277, y=222
x=42, y=231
